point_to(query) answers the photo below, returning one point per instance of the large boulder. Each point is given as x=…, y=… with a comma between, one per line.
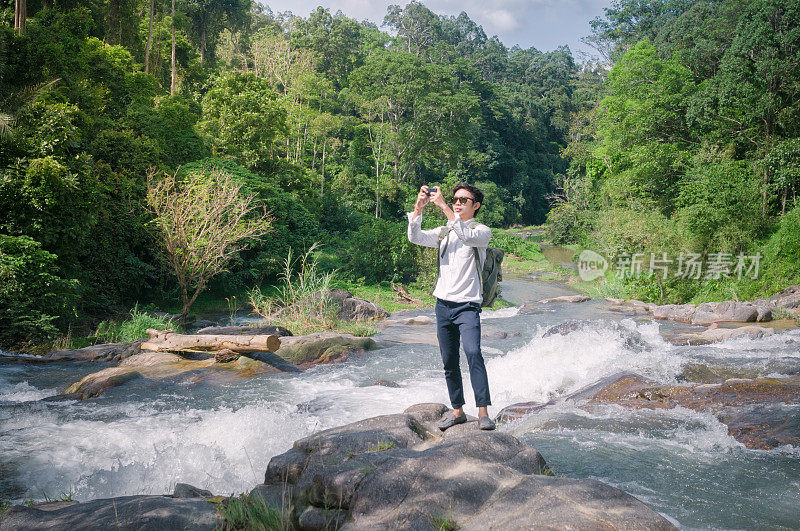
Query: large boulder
x=711, y=312
x=715, y=334
x=322, y=347
x=127, y=512
x=165, y=366
x=567, y=298
x=398, y=471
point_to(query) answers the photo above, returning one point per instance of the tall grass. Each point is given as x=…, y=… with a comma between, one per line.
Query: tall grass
x=252, y=513
x=133, y=328
x=299, y=304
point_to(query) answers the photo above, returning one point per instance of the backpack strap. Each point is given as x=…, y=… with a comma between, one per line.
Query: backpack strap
x=472, y=224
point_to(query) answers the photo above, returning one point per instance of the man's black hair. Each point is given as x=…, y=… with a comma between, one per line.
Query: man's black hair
x=477, y=194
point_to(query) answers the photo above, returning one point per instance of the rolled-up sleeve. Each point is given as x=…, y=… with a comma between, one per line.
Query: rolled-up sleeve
x=477, y=237
x=426, y=238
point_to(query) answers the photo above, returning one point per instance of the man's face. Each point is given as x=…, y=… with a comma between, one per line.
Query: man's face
x=464, y=205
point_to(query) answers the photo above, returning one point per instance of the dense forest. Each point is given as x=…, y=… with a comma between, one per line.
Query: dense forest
x=686, y=140
x=690, y=155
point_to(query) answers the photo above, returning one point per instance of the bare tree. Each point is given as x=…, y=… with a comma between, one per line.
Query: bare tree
x=204, y=221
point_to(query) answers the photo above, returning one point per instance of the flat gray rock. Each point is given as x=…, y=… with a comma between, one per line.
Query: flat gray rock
x=154, y=513
x=104, y=352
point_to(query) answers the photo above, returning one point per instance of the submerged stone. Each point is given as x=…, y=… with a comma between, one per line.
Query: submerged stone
x=735, y=401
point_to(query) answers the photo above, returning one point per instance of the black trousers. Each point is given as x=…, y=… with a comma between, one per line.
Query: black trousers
x=460, y=322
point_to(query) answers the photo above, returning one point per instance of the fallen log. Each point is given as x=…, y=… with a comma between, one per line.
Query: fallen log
x=166, y=340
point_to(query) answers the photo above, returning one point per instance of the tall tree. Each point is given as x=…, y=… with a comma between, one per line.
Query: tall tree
x=425, y=107
x=149, y=38
x=20, y=15
x=626, y=22
x=417, y=27
x=173, y=73
x=758, y=87
x=334, y=42
x=208, y=17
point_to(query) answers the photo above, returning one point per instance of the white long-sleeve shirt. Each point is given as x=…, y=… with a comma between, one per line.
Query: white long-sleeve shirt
x=458, y=275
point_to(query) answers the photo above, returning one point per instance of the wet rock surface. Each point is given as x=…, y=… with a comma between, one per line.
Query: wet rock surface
x=760, y=412
x=126, y=512
x=399, y=471
x=715, y=334
x=169, y=368
x=224, y=367
x=754, y=409
x=566, y=298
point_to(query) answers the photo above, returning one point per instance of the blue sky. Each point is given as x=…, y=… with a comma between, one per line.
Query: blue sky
x=544, y=24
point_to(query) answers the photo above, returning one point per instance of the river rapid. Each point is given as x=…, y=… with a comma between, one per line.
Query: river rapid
x=142, y=438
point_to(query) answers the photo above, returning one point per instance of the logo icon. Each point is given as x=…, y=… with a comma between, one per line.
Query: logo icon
x=591, y=265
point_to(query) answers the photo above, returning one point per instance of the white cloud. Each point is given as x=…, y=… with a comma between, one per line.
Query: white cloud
x=502, y=21
x=545, y=24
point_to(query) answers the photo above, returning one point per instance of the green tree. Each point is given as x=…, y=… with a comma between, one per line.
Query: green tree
x=207, y=18
x=242, y=119
x=334, y=42
x=32, y=294
x=642, y=129
x=757, y=86
x=417, y=27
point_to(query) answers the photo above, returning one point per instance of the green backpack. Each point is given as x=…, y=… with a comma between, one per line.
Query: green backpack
x=491, y=274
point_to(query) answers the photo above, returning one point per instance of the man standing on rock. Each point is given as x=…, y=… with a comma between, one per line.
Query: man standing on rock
x=458, y=292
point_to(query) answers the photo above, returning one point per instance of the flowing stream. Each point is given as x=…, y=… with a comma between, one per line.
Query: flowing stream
x=142, y=437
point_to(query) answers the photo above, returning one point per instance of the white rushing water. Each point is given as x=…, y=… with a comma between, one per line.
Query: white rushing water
x=144, y=437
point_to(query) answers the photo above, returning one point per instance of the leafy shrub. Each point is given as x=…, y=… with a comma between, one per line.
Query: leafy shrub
x=516, y=246
x=497, y=209
x=720, y=204
x=171, y=124
x=621, y=230
x=565, y=224
x=133, y=328
x=32, y=294
x=782, y=250
x=381, y=251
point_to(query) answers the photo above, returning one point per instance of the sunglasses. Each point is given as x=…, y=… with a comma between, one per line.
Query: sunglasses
x=462, y=200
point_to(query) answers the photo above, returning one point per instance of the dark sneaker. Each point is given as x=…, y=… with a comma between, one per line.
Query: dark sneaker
x=485, y=423
x=450, y=420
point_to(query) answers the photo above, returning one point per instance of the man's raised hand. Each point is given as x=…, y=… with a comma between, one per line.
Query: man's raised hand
x=437, y=198
x=422, y=199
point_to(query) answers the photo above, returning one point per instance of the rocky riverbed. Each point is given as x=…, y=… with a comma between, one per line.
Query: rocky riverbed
x=393, y=471
x=705, y=434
